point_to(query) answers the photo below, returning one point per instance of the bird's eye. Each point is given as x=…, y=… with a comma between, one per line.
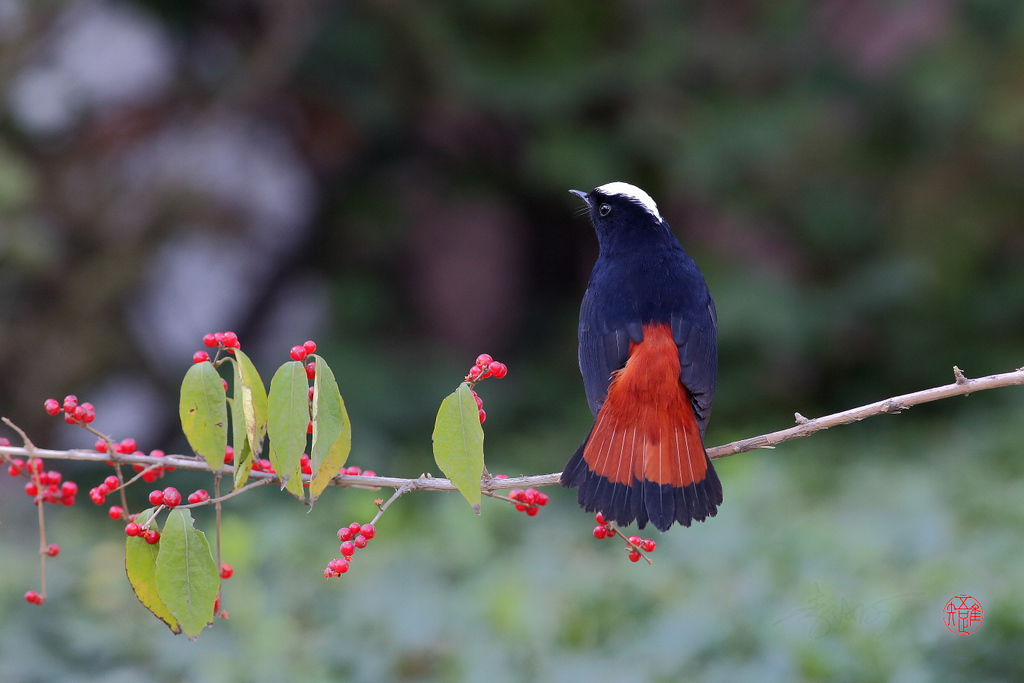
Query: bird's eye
x=604, y=209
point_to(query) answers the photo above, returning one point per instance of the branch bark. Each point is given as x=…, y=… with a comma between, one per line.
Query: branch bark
x=962, y=386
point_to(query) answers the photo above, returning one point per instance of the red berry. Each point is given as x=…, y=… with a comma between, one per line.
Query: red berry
x=34, y=598
x=483, y=416
x=128, y=446
x=152, y=536
x=229, y=454
x=521, y=507
x=70, y=401
x=51, y=406
x=103, y=489
x=69, y=489
x=355, y=527
x=309, y=427
x=369, y=473
x=209, y=340
x=133, y=529
x=600, y=531
x=101, y=445
x=150, y=476
x=219, y=338
x=111, y=482
x=515, y=494
x=17, y=465
x=530, y=496
x=298, y=353
x=116, y=512
x=226, y=570
x=53, y=550
x=171, y=497
x=230, y=340
x=311, y=370
x=542, y=498
x=67, y=500
x=600, y=518
x=498, y=370
x=475, y=372
x=309, y=397
x=345, y=534
x=634, y=556
x=224, y=383
x=305, y=465
x=348, y=548
x=156, y=497
x=200, y=357
x=368, y=531
x=310, y=346
x=340, y=566
x=635, y=540
x=70, y=418
x=648, y=545
x=532, y=510
x=193, y=498
x=355, y=471
x=96, y=497
x=35, y=465
x=479, y=401
x=359, y=541
x=483, y=359
x=31, y=489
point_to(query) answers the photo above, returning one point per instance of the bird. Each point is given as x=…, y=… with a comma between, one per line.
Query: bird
x=648, y=354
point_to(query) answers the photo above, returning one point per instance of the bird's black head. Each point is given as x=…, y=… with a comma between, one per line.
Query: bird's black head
x=622, y=213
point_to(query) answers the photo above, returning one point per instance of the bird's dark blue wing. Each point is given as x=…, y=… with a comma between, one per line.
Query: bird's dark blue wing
x=604, y=348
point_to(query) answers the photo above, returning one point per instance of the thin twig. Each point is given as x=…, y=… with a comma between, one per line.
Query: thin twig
x=892, y=405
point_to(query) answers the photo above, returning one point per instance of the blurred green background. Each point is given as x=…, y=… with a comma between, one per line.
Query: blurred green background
x=390, y=179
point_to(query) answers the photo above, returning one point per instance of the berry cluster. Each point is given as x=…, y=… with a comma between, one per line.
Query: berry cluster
x=637, y=546
x=353, y=536
x=73, y=413
x=34, y=598
x=47, y=487
x=169, y=497
x=484, y=367
x=199, y=496
x=150, y=536
x=528, y=501
x=98, y=495
x=224, y=340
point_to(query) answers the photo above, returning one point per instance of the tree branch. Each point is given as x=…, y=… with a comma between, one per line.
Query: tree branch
x=425, y=482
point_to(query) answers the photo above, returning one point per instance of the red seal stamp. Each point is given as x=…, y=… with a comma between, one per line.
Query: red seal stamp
x=963, y=615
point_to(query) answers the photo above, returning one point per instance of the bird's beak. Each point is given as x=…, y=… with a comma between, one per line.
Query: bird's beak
x=581, y=195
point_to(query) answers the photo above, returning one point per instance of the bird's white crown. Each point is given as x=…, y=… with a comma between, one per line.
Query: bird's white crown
x=634, y=194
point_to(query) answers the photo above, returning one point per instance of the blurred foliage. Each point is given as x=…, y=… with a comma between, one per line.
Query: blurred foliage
x=848, y=175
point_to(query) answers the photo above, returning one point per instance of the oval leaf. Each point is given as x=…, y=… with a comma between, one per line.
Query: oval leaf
x=332, y=431
x=187, y=579
x=204, y=413
x=287, y=422
x=459, y=443
x=239, y=441
x=140, y=565
x=254, y=401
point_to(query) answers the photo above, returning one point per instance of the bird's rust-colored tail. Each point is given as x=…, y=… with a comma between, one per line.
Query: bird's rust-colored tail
x=644, y=458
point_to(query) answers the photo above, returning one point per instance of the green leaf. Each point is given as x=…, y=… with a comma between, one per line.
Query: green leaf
x=332, y=431
x=459, y=443
x=204, y=413
x=243, y=465
x=187, y=579
x=254, y=401
x=239, y=441
x=287, y=424
x=140, y=565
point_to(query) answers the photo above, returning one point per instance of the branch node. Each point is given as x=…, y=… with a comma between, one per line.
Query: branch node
x=30, y=448
x=959, y=375
x=800, y=419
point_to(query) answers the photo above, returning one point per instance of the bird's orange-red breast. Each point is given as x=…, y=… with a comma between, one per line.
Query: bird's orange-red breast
x=649, y=359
